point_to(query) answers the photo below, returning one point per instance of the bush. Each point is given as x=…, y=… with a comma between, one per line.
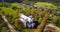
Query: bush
x=58, y=22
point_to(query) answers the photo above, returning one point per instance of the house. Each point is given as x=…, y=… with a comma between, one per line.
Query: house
x=26, y=20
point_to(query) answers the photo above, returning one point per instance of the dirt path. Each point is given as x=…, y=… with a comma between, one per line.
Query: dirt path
x=51, y=27
x=40, y=28
x=8, y=24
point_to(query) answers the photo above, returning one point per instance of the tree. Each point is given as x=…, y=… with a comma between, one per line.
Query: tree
x=3, y=2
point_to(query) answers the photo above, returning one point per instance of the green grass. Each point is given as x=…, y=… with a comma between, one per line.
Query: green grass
x=10, y=11
x=45, y=4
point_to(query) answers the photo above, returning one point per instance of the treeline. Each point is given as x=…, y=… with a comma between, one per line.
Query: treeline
x=57, y=1
x=11, y=1
x=46, y=0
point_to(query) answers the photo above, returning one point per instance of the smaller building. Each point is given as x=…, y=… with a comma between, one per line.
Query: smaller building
x=27, y=21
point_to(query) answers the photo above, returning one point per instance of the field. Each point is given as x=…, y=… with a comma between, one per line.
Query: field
x=12, y=11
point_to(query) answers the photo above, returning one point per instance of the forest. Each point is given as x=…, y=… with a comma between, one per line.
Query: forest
x=46, y=13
